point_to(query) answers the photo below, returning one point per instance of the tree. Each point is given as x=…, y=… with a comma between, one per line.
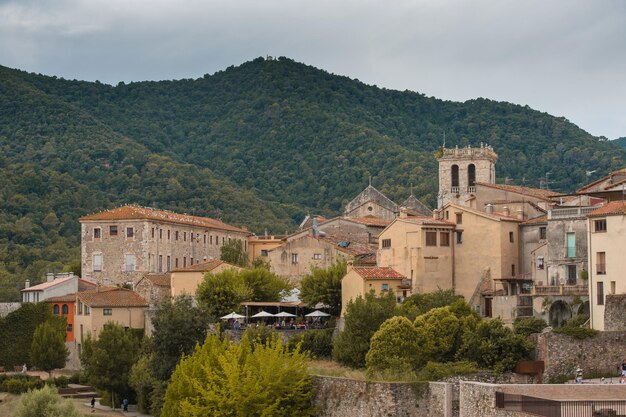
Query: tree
x=265, y=285
x=248, y=379
x=418, y=304
x=362, y=319
x=324, y=286
x=443, y=331
x=529, y=325
x=48, y=350
x=234, y=253
x=221, y=293
x=107, y=361
x=45, y=402
x=178, y=327
x=398, y=347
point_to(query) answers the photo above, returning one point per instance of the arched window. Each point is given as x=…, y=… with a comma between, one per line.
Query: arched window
x=64, y=309
x=455, y=175
x=56, y=309
x=471, y=175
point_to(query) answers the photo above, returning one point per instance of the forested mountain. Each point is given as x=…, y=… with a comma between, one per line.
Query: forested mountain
x=621, y=142
x=256, y=145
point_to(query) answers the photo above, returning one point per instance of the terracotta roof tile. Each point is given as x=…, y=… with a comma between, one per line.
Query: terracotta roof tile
x=529, y=191
x=46, y=285
x=537, y=220
x=112, y=297
x=370, y=221
x=357, y=247
x=69, y=298
x=614, y=207
x=426, y=220
x=378, y=273
x=146, y=213
x=204, y=266
x=160, y=280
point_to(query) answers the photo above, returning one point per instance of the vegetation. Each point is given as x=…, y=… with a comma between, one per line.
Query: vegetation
x=324, y=286
x=248, y=379
x=418, y=304
x=17, y=329
x=363, y=318
x=107, y=361
x=18, y=383
x=576, y=328
x=48, y=350
x=529, y=325
x=317, y=343
x=435, y=371
x=234, y=253
x=45, y=402
x=69, y=148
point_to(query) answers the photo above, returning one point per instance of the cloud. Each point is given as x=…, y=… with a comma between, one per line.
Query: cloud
x=562, y=56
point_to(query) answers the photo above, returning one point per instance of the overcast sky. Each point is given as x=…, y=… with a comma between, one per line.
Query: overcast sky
x=566, y=57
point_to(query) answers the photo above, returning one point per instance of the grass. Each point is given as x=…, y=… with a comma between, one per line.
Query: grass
x=332, y=368
x=8, y=406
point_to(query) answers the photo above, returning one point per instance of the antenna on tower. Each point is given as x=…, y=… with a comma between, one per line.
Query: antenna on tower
x=370, y=180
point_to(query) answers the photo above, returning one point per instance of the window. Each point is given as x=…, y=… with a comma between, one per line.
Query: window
x=511, y=237
x=455, y=176
x=130, y=232
x=386, y=243
x=513, y=270
x=184, y=236
x=571, y=245
x=153, y=233
x=263, y=252
x=385, y=287
x=542, y=233
x=612, y=287
x=191, y=261
x=317, y=256
x=223, y=240
x=129, y=262
x=600, y=293
x=444, y=239
x=294, y=258
x=65, y=310
x=56, y=309
x=107, y=312
x=160, y=263
x=431, y=238
x=97, y=233
x=97, y=262
x=210, y=239
x=80, y=308
x=601, y=263
x=184, y=261
x=540, y=264
x=112, y=230
x=447, y=215
x=571, y=274
x=69, y=328
x=459, y=237
x=176, y=262
x=204, y=240
x=191, y=236
x=459, y=218
x=471, y=175
x=169, y=234
x=600, y=225
x=87, y=310
x=176, y=235
x=169, y=263
x=161, y=234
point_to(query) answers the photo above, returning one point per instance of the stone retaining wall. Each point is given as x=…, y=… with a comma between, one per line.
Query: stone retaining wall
x=615, y=312
x=6, y=308
x=561, y=353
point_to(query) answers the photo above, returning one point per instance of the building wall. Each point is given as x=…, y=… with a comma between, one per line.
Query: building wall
x=371, y=208
x=306, y=247
x=529, y=242
x=69, y=317
x=62, y=288
x=187, y=282
x=151, y=251
x=557, y=260
x=518, y=204
x=429, y=267
x=133, y=317
x=353, y=286
x=257, y=244
x=612, y=242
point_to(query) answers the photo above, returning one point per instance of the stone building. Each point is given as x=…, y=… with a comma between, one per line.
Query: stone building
x=358, y=281
x=459, y=171
x=371, y=202
x=185, y=281
x=121, y=245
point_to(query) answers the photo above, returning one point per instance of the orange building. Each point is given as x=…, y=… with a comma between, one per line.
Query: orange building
x=64, y=306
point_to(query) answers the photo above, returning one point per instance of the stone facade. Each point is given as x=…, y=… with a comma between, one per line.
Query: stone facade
x=121, y=245
x=371, y=202
x=341, y=397
x=561, y=353
x=6, y=308
x=615, y=313
x=456, y=184
x=561, y=267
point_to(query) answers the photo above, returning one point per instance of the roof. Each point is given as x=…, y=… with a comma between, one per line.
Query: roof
x=82, y=284
x=204, y=266
x=537, y=220
x=612, y=208
x=538, y=193
x=354, y=247
x=369, y=221
x=614, y=178
x=134, y=212
x=378, y=273
x=416, y=206
x=426, y=220
x=371, y=194
x=111, y=297
x=494, y=215
x=160, y=280
x=69, y=298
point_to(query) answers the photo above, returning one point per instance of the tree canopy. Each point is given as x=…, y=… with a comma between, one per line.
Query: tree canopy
x=48, y=350
x=324, y=286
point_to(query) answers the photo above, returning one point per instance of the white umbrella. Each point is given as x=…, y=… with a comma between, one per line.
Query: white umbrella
x=233, y=315
x=262, y=314
x=318, y=313
x=284, y=314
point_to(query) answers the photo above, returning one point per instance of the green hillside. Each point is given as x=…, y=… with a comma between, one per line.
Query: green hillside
x=258, y=144
x=621, y=142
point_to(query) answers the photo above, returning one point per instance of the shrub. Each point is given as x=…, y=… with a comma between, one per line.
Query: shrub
x=529, y=325
x=443, y=331
x=436, y=371
x=418, y=304
x=397, y=347
x=318, y=343
x=579, y=333
x=18, y=384
x=45, y=402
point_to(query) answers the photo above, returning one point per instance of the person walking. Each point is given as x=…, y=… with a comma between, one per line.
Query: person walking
x=579, y=374
x=93, y=402
x=622, y=379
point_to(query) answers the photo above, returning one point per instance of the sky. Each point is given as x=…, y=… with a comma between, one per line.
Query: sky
x=564, y=57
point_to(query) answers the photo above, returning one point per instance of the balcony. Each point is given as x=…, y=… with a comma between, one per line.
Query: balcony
x=569, y=212
x=406, y=283
x=454, y=190
x=471, y=189
x=560, y=290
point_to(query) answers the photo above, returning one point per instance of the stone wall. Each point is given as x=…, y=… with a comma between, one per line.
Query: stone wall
x=561, y=353
x=6, y=308
x=615, y=312
x=341, y=397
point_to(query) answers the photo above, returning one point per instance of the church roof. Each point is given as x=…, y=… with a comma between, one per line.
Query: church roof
x=416, y=206
x=371, y=194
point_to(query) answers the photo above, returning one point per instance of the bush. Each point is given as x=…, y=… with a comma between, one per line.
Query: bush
x=529, y=325
x=436, y=371
x=19, y=384
x=45, y=402
x=579, y=333
x=443, y=332
x=318, y=343
x=397, y=347
x=418, y=304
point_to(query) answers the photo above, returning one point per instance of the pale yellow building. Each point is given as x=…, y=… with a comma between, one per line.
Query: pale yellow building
x=607, y=263
x=361, y=280
x=259, y=246
x=420, y=248
x=185, y=281
x=97, y=307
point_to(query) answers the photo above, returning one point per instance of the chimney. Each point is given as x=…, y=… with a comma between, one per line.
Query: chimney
x=437, y=214
x=520, y=214
x=489, y=209
x=403, y=212
x=27, y=284
x=506, y=211
x=49, y=277
x=349, y=266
